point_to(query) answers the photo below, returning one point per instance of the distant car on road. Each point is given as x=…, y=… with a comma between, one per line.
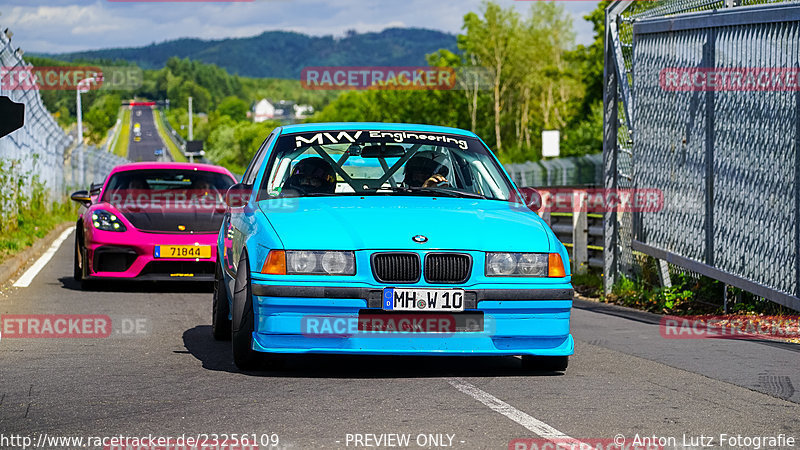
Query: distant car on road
x=158, y=152
x=387, y=239
x=151, y=221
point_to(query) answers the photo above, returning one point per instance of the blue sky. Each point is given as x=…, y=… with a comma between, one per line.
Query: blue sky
x=69, y=25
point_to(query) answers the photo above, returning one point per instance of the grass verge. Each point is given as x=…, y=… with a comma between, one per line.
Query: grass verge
x=176, y=152
x=28, y=212
x=33, y=225
x=121, y=146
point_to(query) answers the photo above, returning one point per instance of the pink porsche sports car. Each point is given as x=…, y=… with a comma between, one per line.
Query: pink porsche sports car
x=151, y=221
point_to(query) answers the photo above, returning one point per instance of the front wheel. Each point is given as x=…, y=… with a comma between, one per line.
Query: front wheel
x=242, y=327
x=220, y=322
x=545, y=363
x=77, y=267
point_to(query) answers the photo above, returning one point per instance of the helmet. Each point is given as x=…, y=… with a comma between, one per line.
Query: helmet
x=424, y=165
x=312, y=176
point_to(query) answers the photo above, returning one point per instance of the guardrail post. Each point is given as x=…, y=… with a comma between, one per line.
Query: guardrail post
x=544, y=213
x=580, y=234
x=663, y=273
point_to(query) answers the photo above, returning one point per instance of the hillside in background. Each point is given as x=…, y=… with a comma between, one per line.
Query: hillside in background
x=280, y=54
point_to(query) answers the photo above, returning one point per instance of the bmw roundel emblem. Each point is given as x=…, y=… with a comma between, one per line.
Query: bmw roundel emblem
x=420, y=239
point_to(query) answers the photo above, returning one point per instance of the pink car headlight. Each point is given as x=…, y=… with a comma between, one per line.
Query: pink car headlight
x=105, y=221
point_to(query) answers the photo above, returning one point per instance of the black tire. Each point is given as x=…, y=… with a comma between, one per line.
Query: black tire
x=220, y=323
x=77, y=270
x=242, y=325
x=545, y=363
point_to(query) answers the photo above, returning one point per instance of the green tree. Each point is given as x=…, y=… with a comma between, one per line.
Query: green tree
x=586, y=127
x=493, y=41
x=101, y=117
x=233, y=144
x=233, y=107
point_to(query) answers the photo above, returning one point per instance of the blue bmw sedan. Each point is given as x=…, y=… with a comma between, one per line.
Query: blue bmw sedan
x=387, y=239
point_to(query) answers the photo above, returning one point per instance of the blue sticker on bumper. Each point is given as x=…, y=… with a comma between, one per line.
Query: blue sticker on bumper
x=388, y=299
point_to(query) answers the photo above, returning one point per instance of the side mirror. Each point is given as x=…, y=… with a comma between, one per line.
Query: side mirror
x=237, y=195
x=81, y=197
x=531, y=198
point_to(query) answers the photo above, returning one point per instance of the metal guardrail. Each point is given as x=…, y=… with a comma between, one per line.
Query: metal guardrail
x=727, y=162
x=569, y=171
x=582, y=234
x=173, y=134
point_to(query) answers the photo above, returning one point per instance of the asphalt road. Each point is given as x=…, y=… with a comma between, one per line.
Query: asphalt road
x=144, y=150
x=171, y=378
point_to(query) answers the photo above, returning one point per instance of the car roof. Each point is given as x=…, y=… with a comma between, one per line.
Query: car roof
x=377, y=126
x=169, y=165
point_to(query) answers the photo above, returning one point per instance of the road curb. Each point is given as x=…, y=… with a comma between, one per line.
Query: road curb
x=10, y=268
x=617, y=310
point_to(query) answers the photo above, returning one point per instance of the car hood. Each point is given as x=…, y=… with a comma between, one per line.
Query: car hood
x=185, y=221
x=390, y=223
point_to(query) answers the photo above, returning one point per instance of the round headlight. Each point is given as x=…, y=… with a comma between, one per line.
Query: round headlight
x=334, y=262
x=533, y=264
x=501, y=263
x=302, y=262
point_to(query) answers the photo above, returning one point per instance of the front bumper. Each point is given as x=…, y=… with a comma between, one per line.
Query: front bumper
x=130, y=255
x=514, y=322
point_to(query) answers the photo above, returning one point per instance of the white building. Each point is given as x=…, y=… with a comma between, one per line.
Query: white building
x=303, y=111
x=284, y=110
x=264, y=110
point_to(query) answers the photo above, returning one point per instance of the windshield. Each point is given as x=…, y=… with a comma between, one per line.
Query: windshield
x=364, y=162
x=168, y=200
x=183, y=183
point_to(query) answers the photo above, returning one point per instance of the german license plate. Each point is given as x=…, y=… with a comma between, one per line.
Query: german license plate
x=410, y=299
x=183, y=251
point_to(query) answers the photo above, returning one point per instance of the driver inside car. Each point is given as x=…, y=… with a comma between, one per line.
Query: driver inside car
x=426, y=169
x=311, y=176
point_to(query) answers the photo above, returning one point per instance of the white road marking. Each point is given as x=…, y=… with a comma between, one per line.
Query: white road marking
x=27, y=277
x=533, y=424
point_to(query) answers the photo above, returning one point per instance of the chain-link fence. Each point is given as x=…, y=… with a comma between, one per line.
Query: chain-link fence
x=703, y=107
x=39, y=145
x=41, y=148
x=97, y=164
